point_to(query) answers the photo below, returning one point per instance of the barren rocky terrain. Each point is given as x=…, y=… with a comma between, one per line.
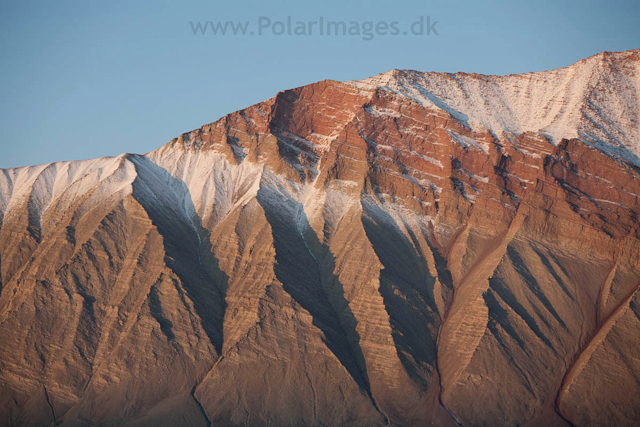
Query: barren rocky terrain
x=410, y=249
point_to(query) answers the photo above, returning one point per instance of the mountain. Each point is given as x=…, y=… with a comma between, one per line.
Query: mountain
x=409, y=249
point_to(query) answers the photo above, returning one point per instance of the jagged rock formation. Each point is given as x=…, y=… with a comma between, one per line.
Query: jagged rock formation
x=410, y=249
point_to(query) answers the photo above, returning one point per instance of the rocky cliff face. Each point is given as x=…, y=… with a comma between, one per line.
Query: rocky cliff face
x=410, y=249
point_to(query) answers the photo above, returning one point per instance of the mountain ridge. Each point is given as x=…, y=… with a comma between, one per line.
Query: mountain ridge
x=349, y=253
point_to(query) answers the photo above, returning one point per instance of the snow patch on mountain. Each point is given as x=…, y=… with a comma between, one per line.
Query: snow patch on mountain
x=64, y=182
x=214, y=186
x=596, y=99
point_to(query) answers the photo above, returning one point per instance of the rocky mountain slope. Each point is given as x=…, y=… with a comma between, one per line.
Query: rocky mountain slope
x=410, y=249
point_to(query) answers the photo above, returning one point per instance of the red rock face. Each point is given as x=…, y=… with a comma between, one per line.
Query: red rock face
x=360, y=253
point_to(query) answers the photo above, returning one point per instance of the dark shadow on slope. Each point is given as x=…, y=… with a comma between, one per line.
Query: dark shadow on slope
x=635, y=307
x=308, y=278
x=155, y=306
x=503, y=291
x=168, y=203
x=407, y=289
x=444, y=275
x=500, y=316
x=553, y=272
x=529, y=278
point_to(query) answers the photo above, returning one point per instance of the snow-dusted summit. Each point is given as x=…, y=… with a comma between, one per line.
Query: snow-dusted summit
x=596, y=99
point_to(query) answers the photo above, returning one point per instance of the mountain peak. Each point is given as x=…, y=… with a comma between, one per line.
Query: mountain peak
x=376, y=252
x=595, y=99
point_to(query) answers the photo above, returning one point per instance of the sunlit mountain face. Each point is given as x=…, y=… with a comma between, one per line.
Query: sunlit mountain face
x=409, y=249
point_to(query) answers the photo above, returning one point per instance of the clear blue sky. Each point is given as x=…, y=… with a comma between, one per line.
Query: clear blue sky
x=95, y=78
